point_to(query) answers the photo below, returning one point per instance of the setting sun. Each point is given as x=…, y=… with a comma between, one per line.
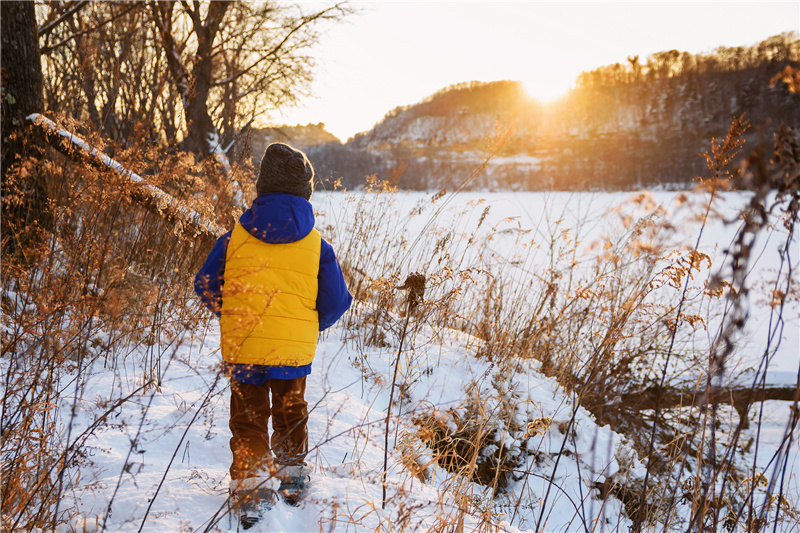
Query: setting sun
x=546, y=89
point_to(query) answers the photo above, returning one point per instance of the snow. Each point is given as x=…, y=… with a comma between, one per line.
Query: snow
x=515, y=223
x=177, y=435
x=158, y=461
x=215, y=148
x=528, y=160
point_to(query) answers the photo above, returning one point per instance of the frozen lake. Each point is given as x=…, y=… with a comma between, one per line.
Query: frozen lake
x=489, y=229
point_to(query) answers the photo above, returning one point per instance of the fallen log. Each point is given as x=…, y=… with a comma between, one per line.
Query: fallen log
x=740, y=397
x=148, y=195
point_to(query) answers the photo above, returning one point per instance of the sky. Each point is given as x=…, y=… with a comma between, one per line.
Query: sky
x=391, y=54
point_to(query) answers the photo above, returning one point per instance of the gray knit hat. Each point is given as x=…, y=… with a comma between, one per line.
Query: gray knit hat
x=284, y=169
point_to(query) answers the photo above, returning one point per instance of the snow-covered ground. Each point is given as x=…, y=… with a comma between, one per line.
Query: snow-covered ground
x=163, y=456
x=158, y=461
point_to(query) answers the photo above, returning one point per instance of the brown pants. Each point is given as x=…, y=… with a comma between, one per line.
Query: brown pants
x=250, y=413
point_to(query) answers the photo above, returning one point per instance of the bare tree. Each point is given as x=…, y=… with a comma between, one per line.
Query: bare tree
x=101, y=67
x=192, y=75
x=197, y=71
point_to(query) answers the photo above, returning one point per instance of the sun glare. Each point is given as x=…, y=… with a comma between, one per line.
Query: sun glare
x=544, y=89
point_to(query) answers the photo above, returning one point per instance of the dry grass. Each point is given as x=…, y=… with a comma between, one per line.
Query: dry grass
x=605, y=329
x=108, y=281
x=105, y=280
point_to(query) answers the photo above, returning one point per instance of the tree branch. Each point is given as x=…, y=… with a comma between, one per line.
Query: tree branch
x=194, y=14
x=48, y=49
x=46, y=28
x=304, y=21
x=740, y=397
x=163, y=21
x=148, y=195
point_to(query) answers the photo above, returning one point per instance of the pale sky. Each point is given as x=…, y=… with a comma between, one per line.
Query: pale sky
x=391, y=54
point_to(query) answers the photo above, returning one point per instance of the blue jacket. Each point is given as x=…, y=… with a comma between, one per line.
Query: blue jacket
x=276, y=218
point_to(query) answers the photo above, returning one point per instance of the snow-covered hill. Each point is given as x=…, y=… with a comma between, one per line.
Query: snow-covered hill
x=606, y=135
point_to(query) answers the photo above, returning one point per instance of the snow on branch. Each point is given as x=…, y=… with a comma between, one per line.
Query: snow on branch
x=215, y=148
x=145, y=193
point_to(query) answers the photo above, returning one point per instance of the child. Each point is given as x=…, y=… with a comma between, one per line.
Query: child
x=274, y=283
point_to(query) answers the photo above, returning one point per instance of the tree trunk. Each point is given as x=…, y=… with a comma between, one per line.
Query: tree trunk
x=201, y=127
x=23, y=193
x=193, y=88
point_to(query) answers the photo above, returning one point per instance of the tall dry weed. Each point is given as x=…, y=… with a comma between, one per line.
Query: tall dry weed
x=108, y=282
x=624, y=330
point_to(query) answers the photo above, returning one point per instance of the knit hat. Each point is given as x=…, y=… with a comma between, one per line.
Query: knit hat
x=284, y=169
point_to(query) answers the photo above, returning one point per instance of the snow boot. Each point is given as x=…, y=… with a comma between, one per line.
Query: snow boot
x=294, y=483
x=252, y=499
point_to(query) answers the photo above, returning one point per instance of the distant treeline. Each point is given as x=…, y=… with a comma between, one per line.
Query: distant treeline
x=672, y=63
x=623, y=126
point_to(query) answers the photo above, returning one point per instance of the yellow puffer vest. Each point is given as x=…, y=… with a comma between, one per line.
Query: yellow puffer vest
x=269, y=300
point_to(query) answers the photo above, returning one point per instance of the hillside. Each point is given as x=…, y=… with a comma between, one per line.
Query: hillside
x=302, y=137
x=622, y=126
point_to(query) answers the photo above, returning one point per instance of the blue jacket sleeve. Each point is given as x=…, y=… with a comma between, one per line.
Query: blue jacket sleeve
x=209, y=280
x=333, y=298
